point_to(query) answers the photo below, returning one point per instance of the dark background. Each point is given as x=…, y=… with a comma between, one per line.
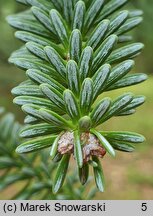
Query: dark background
x=128, y=176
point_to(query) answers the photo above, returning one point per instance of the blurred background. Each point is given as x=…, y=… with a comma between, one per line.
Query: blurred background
x=128, y=176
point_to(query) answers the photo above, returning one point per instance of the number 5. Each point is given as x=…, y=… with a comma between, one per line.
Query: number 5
x=144, y=207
